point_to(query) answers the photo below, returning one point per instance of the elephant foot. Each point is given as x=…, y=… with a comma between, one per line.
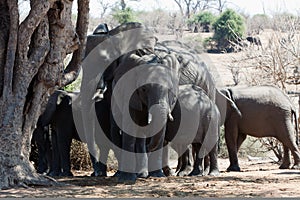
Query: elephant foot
x=296, y=166
x=143, y=175
x=66, y=173
x=157, y=173
x=99, y=170
x=284, y=166
x=185, y=172
x=117, y=174
x=168, y=171
x=233, y=168
x=196, y=172
x=127, y=178
x=99, y=174
x=54, y=173
x=214, y=172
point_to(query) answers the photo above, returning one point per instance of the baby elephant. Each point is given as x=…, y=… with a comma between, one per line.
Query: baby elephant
x=265, y=112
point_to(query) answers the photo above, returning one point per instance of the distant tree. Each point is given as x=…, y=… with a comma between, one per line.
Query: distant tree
x=258, y=23
x=204, y=20
x=124, y=16
x=189, y=7
x=229, y=29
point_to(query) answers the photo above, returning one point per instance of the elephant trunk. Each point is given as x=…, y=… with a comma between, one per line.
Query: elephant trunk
x=159, y=116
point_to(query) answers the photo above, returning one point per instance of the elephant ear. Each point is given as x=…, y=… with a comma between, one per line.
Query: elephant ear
x=228, y=95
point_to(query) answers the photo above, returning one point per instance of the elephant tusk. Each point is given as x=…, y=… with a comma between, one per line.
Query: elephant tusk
x=170, y=117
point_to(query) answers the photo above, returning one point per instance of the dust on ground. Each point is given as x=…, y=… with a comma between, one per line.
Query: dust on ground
x=259, y=178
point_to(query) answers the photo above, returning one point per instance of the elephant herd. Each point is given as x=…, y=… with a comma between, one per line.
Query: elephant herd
x=174, y=103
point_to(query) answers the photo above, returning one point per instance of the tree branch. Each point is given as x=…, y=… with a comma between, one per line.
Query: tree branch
x=11, y=46
x=4, y=35
x=72, y=70
x=39, y=9
x=40, y=47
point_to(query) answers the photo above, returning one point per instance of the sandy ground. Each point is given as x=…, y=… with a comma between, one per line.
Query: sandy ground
x=259, y=178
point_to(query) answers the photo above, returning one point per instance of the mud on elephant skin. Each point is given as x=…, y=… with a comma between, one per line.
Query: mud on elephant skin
x=265, y=112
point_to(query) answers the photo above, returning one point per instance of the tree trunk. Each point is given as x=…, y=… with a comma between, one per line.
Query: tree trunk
x=32, y=57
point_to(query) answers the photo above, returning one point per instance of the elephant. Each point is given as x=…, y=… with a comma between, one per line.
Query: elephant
x=265, y=112
x=41, y=138
x=254, y=41
x=192, y=98
x=193, y=71
x=149, y=99
x=58, y=115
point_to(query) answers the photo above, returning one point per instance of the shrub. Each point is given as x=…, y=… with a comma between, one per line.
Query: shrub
x=204, y=20
x=124, y=16
x=229, y=29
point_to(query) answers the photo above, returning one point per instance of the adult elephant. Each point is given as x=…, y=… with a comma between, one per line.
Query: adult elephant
x=195, y=109
x=265, y=112
x=149, y=107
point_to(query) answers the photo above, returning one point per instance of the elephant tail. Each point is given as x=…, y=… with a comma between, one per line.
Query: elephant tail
x=296, y=126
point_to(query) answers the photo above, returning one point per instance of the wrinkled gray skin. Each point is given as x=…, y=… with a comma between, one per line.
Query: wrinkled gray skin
x=209, y=124
x=139, y=107
x=265, y=112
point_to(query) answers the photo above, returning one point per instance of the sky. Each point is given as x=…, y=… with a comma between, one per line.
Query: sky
x=250, y=7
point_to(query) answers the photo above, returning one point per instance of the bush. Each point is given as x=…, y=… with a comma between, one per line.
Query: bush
x=204, y=20
x=229, y=29
x=79, y=156
x=124, y=16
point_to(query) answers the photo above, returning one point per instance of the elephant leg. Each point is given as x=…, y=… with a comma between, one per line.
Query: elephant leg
x=286, y=161
x=198, y=168
x=289, y=142
x=166, y=165
x=142, y=159
x=231, y=138
x=186, y=160
x=64, y=147
x=213, y=158
x=115, y=136
x=206, y=163
x=127, y=164
x=55, y=164
x=99, y=167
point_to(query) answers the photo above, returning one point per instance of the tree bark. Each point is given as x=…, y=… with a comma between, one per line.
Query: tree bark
x=31, y=66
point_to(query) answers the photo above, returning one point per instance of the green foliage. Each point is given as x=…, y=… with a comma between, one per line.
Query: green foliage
x=124, y=16
x=204, y=18
x=74, y=86
x=229, y=27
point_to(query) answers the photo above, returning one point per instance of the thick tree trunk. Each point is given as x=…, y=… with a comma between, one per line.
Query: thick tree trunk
x=31, y=65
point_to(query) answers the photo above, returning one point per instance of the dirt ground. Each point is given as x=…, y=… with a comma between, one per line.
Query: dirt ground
x=259, y=178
